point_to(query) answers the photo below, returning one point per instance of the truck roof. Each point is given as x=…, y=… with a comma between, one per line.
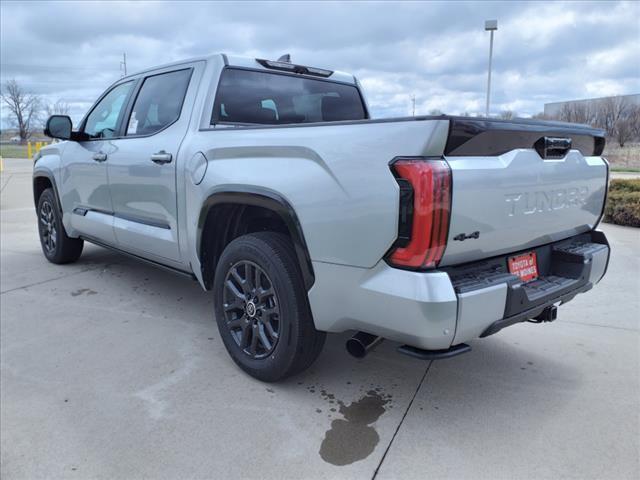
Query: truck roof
x=245, y=62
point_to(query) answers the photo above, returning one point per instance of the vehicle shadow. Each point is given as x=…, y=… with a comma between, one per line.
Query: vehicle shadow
x=517, y=366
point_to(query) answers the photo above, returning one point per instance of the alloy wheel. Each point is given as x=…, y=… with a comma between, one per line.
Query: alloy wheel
x=251, y=309
x=48, y=229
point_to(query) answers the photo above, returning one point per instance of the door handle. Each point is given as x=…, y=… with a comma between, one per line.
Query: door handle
x=99, y=157
x=161, y=157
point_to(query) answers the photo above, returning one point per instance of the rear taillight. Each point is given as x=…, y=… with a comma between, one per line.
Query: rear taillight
x=425, y=203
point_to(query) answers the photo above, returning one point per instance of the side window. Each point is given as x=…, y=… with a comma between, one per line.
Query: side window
x=159, y=102
x=102, y=122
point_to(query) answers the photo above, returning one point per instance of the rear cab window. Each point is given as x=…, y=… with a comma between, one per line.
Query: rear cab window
x=257, y=97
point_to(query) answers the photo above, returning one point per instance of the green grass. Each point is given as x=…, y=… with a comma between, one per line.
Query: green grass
x=13, y=151
x=625, y=169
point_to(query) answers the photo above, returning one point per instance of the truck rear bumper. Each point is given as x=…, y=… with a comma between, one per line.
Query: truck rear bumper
x=435, y=310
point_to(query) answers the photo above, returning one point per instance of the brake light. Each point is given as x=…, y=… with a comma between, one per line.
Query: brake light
x=424, y=215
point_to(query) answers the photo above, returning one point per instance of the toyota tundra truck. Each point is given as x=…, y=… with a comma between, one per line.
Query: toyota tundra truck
x=269, y=183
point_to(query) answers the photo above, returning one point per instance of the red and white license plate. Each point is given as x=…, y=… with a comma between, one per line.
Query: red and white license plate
x=525, y=266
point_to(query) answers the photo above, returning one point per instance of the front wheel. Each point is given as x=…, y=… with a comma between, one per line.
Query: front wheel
x=56, y=245
x=261, y=307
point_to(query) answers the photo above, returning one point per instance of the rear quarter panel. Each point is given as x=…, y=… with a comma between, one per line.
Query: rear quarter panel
x=335, y=176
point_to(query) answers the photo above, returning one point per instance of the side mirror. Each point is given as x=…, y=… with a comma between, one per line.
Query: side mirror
x=58, y=126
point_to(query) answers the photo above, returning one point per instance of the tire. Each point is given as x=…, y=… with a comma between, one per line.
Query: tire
x=56, y=245
x=261, y=308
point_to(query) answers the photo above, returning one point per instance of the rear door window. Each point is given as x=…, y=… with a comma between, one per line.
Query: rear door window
x=158, y=103
x=256, y=97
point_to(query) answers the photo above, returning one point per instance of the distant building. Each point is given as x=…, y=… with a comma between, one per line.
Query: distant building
x=554, y=109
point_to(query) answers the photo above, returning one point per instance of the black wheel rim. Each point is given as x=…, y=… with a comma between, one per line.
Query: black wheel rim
x=251, y=309
x=48, y=231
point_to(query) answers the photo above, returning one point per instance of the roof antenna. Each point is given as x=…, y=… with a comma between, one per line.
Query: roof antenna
x=285, y=58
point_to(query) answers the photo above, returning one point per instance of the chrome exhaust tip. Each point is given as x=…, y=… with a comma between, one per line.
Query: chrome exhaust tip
x=362, y=343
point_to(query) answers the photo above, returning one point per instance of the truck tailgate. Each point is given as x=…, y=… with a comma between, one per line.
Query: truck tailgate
x=517, y=200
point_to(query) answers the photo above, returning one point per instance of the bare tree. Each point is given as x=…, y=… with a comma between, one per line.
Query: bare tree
x=435, y=112
x=610, y=112
x=541, y=116
x=624, y=131
x=508, y=114
x=566, y=112
x=577, y=112
x=25, y=108
x=634, y=120
x=59, y=108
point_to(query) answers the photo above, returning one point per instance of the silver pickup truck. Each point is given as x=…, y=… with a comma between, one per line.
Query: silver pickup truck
x=269, y=183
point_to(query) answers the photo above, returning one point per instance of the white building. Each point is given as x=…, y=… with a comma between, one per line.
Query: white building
x=554, y=109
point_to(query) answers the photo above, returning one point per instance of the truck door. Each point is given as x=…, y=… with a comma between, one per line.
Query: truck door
x=84, y=188
x=143, y=164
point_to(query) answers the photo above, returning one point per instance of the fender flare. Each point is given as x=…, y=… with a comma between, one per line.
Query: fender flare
x=268, y=199
x=52, y=180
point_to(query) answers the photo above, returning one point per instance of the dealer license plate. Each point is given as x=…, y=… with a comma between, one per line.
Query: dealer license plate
x=525, y=266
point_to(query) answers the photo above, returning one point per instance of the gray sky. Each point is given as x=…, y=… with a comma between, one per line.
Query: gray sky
x=543, y=52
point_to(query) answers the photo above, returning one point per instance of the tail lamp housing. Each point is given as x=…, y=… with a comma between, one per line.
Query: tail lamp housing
x=425, y=206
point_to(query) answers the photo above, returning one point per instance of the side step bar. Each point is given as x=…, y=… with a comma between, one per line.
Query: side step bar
x=141, y=259
x=434, y=354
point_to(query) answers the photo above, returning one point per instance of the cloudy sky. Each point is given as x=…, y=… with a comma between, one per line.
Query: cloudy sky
x=543, y=52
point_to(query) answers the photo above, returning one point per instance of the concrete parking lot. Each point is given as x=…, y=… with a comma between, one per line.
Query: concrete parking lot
x=113, y=369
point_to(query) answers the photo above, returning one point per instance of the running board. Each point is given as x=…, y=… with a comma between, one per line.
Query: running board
x=434, y=354
x=139, y=258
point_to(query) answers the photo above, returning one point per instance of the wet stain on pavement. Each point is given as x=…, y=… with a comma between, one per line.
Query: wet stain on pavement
x=352, y=438
x=85, y=291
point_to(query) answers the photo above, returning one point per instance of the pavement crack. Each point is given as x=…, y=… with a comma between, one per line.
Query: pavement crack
x=6, y=182
x=615, y=327
x=50, y=280
x=404, y=415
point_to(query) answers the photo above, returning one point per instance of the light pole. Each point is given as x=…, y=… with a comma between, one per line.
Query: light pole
x=123, y=63
x=490, y=25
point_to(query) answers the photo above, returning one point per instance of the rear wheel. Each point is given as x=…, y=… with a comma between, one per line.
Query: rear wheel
x=262, y=309
x=56, y=245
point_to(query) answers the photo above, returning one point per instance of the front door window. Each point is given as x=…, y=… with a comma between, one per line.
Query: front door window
x=104, y=119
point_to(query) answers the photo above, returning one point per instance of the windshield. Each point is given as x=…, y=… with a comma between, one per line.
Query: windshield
x=256, y=97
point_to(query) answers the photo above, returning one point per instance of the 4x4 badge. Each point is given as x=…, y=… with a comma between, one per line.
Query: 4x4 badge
x=462, y=237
